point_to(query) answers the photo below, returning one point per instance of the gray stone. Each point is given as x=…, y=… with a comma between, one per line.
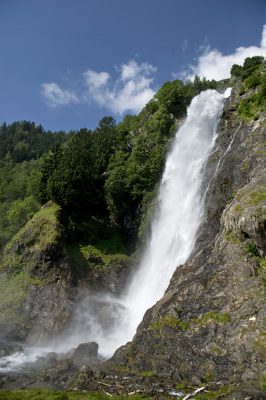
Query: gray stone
x=85, y=353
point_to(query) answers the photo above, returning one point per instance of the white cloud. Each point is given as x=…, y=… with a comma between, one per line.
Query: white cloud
x=212, y=64
x=95, y=79
x=55, y=96
x=129, y=92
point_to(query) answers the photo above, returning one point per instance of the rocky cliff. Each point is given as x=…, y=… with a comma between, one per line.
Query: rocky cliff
x=42, y=279
x=210, y=325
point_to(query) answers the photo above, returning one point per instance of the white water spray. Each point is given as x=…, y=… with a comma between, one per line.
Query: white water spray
x=176, y=221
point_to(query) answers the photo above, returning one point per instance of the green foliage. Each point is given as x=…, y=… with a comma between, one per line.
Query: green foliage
x=250, y=107
x=18, y=188
x=253, y=81
x=73, y=175
x=169, y=321
x=24, y=141
x=103, y=180
x=236, y=70
x=212, y=316
x=101, y=254
x=13, y=291
x=21, y=146
x=254, y=252
x=252, y=249
x=232, y=237
x=255, y=198
x=253, y=77
x=251, y=64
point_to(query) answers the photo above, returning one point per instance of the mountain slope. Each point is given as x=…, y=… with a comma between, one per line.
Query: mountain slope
x=210, y=325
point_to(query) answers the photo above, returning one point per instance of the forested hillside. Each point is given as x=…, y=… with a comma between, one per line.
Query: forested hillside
x=103, y=180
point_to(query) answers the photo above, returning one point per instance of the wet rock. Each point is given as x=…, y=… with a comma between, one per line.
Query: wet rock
x=47, y=361
x=7, y=348
x=60, y=373
x=82, y=379
x=85, y=353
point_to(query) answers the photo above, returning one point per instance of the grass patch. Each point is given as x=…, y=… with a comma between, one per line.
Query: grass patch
x=169, y=321
x=262, y=382
x=100, y=254
x=255, y=198
x=253, y=252
x=146, y=374
x=46, y=394
x=260, y=345
x=232, y=237
x=215, y=395
x=13, y=291
x=212, y=316
x=245, y=166
x=40, y=231
x=209, y=317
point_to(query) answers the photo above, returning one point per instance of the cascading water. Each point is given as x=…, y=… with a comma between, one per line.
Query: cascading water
x=178, y=215
x=175, y=224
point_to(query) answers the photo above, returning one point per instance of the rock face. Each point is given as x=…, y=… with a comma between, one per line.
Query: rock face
x=41, y=283
x=85, y=354
x=210, y=325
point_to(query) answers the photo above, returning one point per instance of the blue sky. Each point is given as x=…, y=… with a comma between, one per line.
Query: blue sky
x=67, y=63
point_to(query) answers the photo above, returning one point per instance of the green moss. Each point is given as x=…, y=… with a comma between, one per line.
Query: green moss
x=181, y=386
x=255, y=198
x=217, y=394
x=254, y=103
x=255, y=254
x=13, y=291
x=262, y=382
x=262, y=262
x=252, y=249
x=19, y=256
x=245, y=166
x=146, y=374
x=260, y=345
x=100, y=254
x=238, y=209
x=209, y=317
x=212, y=316
x=232, y=237
x=169, y=321
x=39, y=232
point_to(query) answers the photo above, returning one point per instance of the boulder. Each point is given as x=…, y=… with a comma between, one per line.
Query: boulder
x=85, y=353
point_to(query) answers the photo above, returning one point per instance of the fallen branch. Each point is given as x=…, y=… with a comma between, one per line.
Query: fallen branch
x=135, y=391
x=188, y=396
x=105, y=384
x=108, y=394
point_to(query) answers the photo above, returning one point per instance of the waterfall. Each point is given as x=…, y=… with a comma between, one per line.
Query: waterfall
x=177, y=217
x=113, y=321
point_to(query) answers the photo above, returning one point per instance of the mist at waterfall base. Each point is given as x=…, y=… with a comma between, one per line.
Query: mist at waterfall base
x=112, y=321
